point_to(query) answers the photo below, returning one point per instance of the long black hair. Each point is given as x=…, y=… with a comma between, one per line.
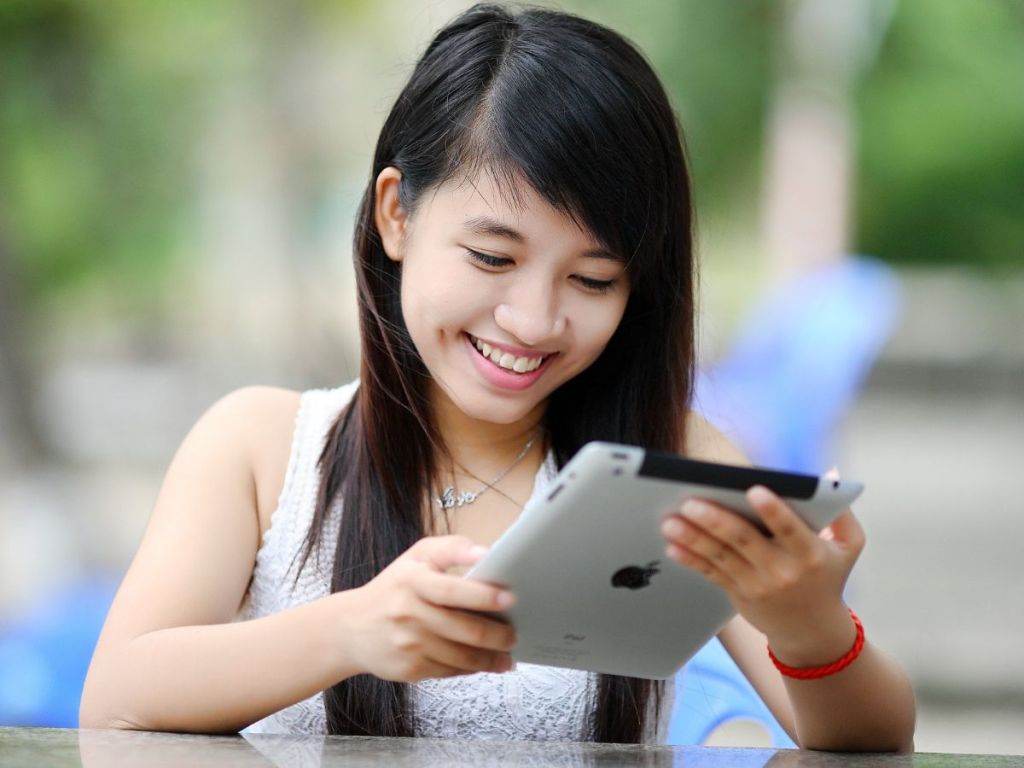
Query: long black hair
x=576, y=111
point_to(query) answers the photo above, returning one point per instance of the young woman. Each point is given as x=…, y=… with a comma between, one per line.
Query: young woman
x=526, y=284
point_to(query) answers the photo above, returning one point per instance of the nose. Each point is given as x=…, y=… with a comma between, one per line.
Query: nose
x=533, y=315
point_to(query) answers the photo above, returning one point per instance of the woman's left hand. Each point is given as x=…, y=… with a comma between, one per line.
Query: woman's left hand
x=788, y=585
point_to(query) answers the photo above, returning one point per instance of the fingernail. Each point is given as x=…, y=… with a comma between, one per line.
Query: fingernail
x=696, y=510
x=506, y=599
x=673, y=527
x=758, y=493
x=477, y=551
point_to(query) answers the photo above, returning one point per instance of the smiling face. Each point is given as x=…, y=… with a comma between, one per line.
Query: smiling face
x=504, y=302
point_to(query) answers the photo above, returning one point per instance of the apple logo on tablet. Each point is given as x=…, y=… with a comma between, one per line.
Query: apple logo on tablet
x=635, y=576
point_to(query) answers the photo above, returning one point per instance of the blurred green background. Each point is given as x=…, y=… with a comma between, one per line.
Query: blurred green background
x=103, y=105
x=177, y=187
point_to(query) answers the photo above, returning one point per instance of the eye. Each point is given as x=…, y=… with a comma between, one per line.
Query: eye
x=488, y=260
x=596, y=286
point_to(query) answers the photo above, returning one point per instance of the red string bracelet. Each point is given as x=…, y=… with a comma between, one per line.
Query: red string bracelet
x=814, y=673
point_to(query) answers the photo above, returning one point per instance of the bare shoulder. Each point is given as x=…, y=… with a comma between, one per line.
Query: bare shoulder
x=264, y=419
x=704, y=441
x=196, y=556
x=255, y=409
x=254, y=418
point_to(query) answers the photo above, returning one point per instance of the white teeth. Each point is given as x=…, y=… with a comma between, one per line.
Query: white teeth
x=506, y=359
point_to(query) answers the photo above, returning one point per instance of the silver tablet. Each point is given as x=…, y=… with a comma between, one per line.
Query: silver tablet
x=595, y=590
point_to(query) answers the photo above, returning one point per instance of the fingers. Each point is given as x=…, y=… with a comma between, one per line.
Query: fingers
x=464, y=642
x=846, y=531
x=444, y=552
x=455, y=592
x=468, y=629
x=420, y=621
x=794, y=534
x=789, y=530
x=731, y=552
x=724, y=527
x=702, y=565
x=710, y=541
x=826, y=532
x=714, y=541
x=777, y=579
x=428, y=668
x=465, y=659
x=419, y=664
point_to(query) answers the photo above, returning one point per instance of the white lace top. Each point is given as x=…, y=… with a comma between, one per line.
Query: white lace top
x=531, y=703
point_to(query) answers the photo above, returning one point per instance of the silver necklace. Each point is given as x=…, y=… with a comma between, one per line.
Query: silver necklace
x=450, y=498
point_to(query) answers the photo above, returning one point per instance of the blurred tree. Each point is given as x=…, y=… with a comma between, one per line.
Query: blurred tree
x=17, y=422
x=41, y=66
x=717, y=60
x=102, y=106
x=823, y=51
x=942, y=137
x=938, y=117
x=96, y=107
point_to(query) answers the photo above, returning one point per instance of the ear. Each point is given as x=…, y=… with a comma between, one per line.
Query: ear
x=388, y=214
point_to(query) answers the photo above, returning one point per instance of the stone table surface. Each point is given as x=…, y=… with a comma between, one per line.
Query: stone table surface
x=95, y=748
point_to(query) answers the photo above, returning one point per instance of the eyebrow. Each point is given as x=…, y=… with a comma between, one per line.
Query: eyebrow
x=485, y=225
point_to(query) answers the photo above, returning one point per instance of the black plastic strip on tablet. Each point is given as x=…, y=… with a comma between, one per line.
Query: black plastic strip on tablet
x=666, y=466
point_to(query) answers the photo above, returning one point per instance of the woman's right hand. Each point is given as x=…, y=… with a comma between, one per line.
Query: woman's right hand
x=410, y=621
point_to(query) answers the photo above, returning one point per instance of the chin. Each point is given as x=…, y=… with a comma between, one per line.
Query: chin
x=482, y=404
x=487, y=409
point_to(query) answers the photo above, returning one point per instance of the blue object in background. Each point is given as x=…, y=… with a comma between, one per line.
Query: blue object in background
x=799, y=361
x=711, y=691
x=794, y=370
x=45, y=653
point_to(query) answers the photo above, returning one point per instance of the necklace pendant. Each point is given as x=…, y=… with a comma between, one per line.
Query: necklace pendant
x=467, y=497
x=449, y=499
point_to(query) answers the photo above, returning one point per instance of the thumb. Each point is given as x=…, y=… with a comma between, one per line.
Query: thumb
x=846, y=530
x=444, y=552
x=827, y=533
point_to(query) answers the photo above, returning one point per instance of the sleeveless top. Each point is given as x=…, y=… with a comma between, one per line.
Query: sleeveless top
x=532, y=702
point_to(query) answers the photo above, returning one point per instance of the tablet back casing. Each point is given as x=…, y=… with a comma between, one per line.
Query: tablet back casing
x=595, y=590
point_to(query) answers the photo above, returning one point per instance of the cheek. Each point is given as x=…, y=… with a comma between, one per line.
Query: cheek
x=436, y=300
x=598, y=324
x=422, y=291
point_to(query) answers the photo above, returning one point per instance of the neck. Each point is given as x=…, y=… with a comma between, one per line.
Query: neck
x=479, y=445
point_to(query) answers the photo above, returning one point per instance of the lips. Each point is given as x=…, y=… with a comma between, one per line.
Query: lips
x=501, y=373
x=507, y=358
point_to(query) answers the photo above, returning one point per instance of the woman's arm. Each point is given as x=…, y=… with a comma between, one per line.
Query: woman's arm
x=218, y=678
x=869, y=706
x=788, y=592
x=171, y=657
